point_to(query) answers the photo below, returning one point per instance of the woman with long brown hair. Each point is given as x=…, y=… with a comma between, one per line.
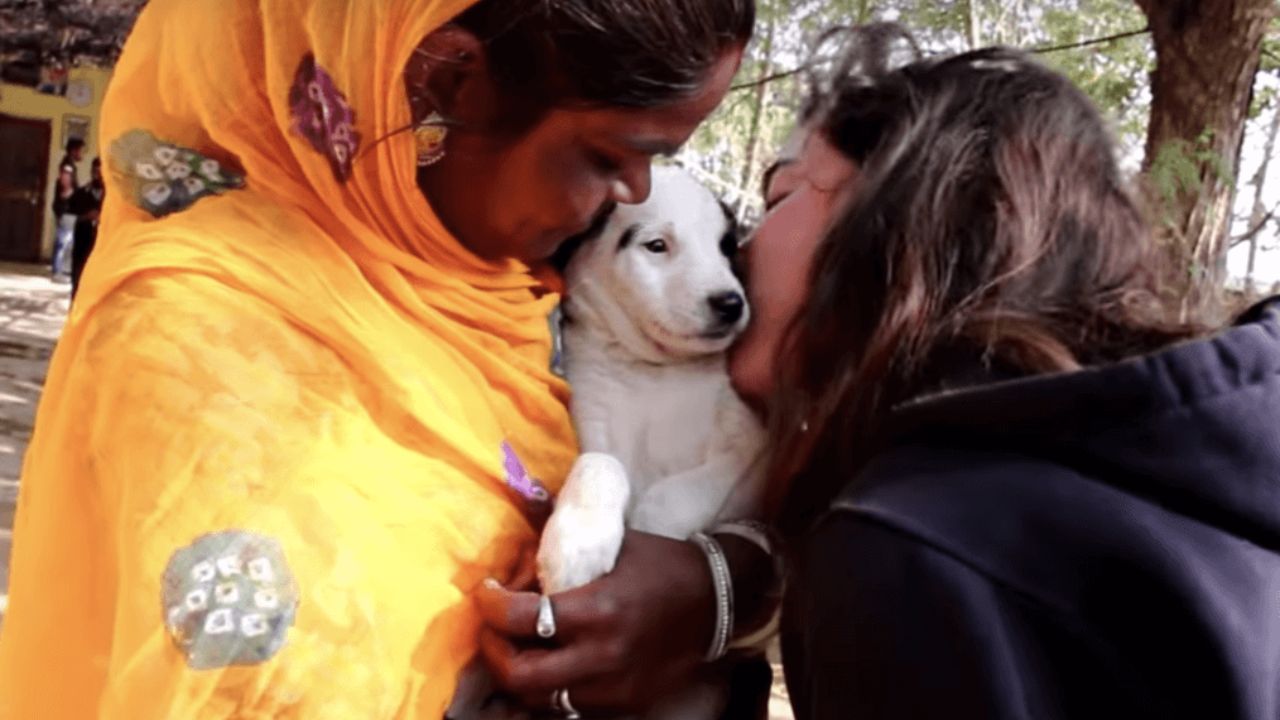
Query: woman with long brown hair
x=1016, y=488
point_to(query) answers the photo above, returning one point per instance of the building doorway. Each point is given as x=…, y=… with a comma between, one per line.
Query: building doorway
x=24, y=168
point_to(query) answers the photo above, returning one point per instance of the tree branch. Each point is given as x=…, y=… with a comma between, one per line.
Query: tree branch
x=783, y=75
x=1089, y=43
x=768, y=79
x=1253, y=231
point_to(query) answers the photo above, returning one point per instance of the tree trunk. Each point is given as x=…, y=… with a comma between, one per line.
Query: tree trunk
x=1008, y=24
x=973, y=24
x=1259, y=215
x=864, y=11
x=1207, y=54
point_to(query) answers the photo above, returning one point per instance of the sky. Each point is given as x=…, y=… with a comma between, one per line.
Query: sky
x=1268, y=262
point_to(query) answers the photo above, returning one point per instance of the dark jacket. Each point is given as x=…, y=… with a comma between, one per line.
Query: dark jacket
x=86, y=200
x=62, y=203
x=1103, y=544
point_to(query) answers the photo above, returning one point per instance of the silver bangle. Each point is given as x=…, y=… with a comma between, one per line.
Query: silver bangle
x=753, y=531
x=762, y=536
x=723, y=583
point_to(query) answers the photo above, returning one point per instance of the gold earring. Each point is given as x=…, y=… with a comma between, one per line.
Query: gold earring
x=429, y=135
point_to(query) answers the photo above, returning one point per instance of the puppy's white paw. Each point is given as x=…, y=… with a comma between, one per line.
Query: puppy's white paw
x=584, y=535
x=577, y=551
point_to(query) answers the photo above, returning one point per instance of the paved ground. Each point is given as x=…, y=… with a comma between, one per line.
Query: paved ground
x=32, y=310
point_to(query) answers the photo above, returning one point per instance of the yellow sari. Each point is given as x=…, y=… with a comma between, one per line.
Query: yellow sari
x=291, y=422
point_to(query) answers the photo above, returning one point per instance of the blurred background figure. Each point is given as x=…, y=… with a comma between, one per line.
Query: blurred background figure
x=86, y=205
x=68, y=184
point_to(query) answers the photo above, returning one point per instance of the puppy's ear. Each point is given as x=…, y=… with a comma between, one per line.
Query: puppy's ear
x=731, y=241
x=564, y=253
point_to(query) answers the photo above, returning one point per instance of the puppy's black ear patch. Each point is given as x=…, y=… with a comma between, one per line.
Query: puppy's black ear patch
x=628, y=237
x=564, y=253
x=731, y=241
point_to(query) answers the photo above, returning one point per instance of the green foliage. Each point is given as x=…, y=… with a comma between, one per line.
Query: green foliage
x=1271, y=47
x=1175, y=171
x=1264, y=99
x=1182, y=169
x=1114, y=74
x=1265, y=96
x=732, y=150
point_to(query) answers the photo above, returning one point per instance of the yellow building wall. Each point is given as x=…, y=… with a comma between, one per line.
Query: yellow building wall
x=27, y=103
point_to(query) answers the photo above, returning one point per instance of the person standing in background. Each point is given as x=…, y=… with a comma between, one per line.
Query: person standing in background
x=68, y=183
x=86, y=205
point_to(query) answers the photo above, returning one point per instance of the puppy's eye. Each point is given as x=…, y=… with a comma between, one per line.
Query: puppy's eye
x=657, y=247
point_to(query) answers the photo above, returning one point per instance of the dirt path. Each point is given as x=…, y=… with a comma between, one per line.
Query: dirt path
x=32, y=310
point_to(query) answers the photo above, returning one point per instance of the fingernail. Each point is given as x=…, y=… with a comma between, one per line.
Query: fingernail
x=492, y=584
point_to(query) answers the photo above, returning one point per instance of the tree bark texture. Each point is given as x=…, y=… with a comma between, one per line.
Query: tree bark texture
x=1207, y=55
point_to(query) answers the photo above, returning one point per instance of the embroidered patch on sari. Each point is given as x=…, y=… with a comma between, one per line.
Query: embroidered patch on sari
x=164, y=178
x=229, y=599
x=322, y=115
x=537, y=501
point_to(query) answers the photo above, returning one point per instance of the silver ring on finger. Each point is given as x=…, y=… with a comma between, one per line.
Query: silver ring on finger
x=546, y=626
x=560, y=702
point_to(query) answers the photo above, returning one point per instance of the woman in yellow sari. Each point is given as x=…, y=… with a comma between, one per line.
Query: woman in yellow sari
x=303, y=406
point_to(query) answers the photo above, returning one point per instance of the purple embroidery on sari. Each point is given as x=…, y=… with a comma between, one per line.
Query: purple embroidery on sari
x=322, y=116
x=519, y=480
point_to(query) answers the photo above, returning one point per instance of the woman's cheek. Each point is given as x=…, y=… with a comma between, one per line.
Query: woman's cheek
x=765, y=348
x=750, y=368
x=752, y=362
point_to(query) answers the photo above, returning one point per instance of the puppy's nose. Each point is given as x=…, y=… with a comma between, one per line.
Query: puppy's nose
x=727, y=306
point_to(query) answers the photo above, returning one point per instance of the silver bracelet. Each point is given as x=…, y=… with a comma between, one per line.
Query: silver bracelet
x=762, y=536
x=723, y=582
x=753, y=531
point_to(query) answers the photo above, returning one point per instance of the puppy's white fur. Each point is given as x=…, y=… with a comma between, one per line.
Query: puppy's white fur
x=668, y=447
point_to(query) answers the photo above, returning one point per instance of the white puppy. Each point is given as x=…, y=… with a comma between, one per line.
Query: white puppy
x=651, y=306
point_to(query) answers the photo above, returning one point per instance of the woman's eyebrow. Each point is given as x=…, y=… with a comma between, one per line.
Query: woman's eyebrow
x=652, y=146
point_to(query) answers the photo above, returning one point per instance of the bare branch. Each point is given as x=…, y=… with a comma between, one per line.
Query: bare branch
x=783, y=75
x=1259, y=227
x=1090, y=43
x=774, y=77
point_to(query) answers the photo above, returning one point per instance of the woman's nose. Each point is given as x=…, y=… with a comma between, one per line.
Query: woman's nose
x=632, y=186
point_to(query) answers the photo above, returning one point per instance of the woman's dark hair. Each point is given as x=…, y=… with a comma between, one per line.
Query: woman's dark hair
x=990, y=225
x=845, y=52
x=626, y=53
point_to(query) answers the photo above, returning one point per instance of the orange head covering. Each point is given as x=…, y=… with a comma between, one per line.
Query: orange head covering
x=292, y=421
